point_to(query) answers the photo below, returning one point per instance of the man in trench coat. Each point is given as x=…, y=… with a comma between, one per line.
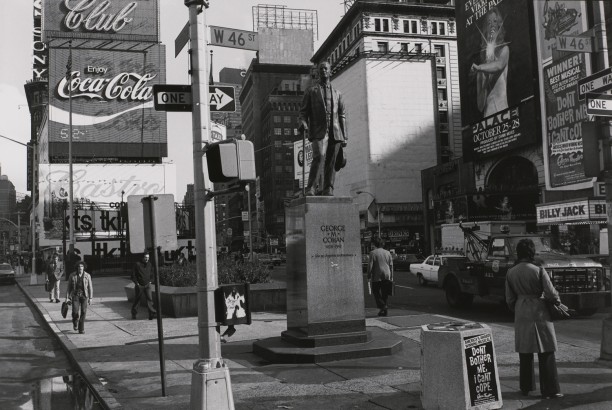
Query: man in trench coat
x=526, y=287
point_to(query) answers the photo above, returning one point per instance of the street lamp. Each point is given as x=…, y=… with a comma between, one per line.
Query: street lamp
x=377, y=208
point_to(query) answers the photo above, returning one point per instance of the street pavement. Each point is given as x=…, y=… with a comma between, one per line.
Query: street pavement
x=119, y=357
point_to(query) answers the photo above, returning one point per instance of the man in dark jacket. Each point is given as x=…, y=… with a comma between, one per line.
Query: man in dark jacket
x=142, y=276
x=322, y=114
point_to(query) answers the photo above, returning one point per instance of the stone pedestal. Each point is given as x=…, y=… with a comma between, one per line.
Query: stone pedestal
x=459, y=367
x=325, y=305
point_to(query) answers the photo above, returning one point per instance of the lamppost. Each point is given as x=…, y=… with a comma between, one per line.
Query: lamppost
x=377, y=207
x=33, y=278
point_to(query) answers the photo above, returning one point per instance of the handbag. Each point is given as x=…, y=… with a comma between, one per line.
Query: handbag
x=65, y=305
x=556, y=311
x=48, y=286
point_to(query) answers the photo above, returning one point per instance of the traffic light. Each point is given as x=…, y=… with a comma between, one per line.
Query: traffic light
x=231, y=159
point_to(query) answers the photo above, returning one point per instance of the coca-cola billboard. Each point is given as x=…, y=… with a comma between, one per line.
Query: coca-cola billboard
x=121, y=20
x=113, y=118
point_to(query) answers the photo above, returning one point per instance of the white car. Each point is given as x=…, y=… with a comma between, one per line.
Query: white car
x=427, y=271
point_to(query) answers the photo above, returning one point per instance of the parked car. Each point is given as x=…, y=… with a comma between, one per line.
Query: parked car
x=427, y=271
x=269, y=258
x=7, y=274
x=403, y=261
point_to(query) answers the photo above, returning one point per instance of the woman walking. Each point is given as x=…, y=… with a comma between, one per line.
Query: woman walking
x=80, y=293
x=527, y=285
x=55, y=271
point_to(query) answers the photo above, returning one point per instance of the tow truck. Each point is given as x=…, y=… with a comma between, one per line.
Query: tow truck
x=579, y=280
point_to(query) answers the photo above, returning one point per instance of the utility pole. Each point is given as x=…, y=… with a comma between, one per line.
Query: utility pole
x=210, y=381
x=71, y=195
x=601, y=61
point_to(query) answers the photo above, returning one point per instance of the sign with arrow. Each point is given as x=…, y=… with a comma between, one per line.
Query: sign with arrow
x=178, y=98
x=222, y=98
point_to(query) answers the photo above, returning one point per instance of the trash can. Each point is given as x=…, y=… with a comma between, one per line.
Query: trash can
x=458, y=367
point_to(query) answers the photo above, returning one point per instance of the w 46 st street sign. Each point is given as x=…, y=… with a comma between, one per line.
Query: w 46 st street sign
x=168, y=97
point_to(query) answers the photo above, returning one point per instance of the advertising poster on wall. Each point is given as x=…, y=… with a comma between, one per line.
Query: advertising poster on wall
x=113, y=117
x=495, y=72
x=562, y=111
x=97, y=187
x=122, y=20
x=301, y=162
x=555, y=18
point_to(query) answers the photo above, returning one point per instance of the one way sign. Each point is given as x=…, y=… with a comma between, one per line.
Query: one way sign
x=178, y=98
x=221, y=98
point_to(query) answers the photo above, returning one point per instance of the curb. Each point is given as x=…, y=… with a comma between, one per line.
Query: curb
x=76, y=358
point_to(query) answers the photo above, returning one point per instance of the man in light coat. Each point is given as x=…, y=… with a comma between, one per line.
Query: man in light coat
x=322, y=114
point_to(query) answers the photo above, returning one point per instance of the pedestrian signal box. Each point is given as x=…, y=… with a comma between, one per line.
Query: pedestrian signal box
x=231, y=159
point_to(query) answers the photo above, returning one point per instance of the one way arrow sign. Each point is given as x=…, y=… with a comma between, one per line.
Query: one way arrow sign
x=222, y=98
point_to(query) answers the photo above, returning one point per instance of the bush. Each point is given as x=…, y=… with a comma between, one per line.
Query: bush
x=229, y=271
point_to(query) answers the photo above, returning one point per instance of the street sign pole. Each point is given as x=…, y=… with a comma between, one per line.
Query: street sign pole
x=210, y=381
x=160, y=327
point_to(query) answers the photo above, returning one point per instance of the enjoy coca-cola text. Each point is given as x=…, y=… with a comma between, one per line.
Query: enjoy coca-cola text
x=108, y=88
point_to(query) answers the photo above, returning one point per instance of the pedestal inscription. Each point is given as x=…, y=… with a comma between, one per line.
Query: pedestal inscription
x=324, y=279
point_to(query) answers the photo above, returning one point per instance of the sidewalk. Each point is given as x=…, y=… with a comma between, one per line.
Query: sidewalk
x=120, y=359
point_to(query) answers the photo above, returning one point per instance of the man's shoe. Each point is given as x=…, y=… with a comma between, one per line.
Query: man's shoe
x=56, y=300
x=75, y=327
x=151, y=317
x=328, y=192
x=554, y=396
x=310, y=192
x=82, y=332
x=133, y=315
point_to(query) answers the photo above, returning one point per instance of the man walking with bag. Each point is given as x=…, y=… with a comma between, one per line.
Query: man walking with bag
x=142, y=276
x=380, y=272
x=55, y=271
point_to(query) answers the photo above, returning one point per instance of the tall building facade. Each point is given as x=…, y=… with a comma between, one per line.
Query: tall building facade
x=8, y=198
x=271, y=95
x=395, y=63
x=530, y=151
x=91, y=97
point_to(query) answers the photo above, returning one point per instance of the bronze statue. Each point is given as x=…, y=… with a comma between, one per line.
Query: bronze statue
x=322, y=113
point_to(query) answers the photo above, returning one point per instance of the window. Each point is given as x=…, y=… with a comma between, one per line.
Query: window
x=287, y=131
x=287, y=119
x=383, y=46
x=277, y=118
x=381, y=25
x=443, y=115
x=438, y=28
x=278, y=131
x=440, y=72
x=404, y=47
x=410, y=26
x=278, y=156
x=439, y=50
x=442, y=95
x=418, y=48
x=280, y=219
x=278, y=143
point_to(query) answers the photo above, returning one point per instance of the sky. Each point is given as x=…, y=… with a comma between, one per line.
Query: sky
x=16, y=23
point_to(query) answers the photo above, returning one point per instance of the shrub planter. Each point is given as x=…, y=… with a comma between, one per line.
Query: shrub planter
x=183, y=301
